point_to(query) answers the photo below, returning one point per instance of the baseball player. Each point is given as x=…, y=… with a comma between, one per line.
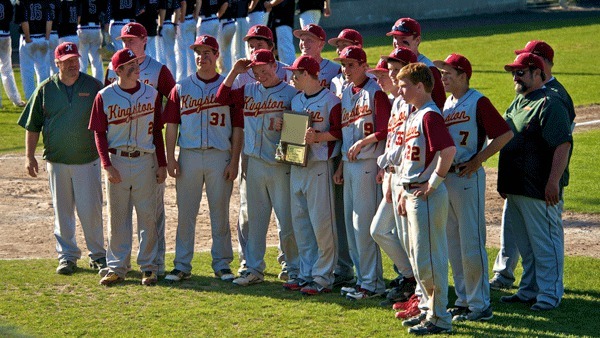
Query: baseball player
x=257, y=14
x=281, y=20
x=533, y=189
x=126, y=120
x=423, y=197
x=311, y=11
x=313, y=216
x=89, y=31
x=156, y=75
x=120, y=13
x=388, y=228
x=312, y=40
x=184, y=56
x=406, y=32
x=148, y=19
x=225, y=35
x=210, y=142
x=508, y=256
x=33, y=46
x=169, y=12
x=208, y=22
x=267, y=182
x=258, y=37
x=365, y=113
x=72, y=164
x=470, y=117
x=54, y=8
x=344, y=271
x=6, y=71
x=241, y=27
x=68, y=15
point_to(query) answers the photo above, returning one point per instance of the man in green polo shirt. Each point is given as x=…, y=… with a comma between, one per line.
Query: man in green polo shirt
x=60, y=109
x=531, y=172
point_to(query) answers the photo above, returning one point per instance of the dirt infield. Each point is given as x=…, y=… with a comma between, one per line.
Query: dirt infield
x=26, y=222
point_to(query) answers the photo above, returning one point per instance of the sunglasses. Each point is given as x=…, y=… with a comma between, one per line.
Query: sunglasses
x=519, y=72
x=402, y=29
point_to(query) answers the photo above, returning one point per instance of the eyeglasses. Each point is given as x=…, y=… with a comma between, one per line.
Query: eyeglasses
x=519, y=72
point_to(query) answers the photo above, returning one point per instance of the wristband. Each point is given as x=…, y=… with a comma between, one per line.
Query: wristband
x=435, y=180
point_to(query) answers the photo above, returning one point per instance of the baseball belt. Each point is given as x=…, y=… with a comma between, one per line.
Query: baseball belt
x=454, y=169
x=410, y=186
x=390, y=169
x=130, y=154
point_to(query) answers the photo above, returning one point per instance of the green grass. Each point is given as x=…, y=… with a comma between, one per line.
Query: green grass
x=35, y=301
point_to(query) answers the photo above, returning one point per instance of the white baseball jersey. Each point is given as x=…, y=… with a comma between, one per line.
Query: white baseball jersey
x=261, y=107
x=204, y=123
x=358, y=120
x=394, y=142
x=421, y=146
x=131, y=127
x=329, y=70
x=460, y=117
x=248, y=77
x=320, y=107
x=149, y=72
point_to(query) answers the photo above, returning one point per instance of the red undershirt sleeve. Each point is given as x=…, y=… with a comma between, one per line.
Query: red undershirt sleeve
x=438, y=137
x=157, y=139
x=172, y=113
x=335, y=121
x=491, y=120
x=99, y=124
x=383, y=107
x=438, y=94
x=166, y=82
x=226, y=95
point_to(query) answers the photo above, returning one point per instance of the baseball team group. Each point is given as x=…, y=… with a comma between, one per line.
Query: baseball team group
x=393, y=164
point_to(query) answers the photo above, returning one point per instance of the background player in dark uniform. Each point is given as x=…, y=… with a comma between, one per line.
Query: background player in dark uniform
x=90, y=36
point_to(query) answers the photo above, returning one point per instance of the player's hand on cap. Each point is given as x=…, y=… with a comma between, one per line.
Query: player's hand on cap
x=551, y=193
x=173, y=168
x=31, y=165
x=338, y=176
x=311, y=136
x=161, y=175
x=231, y=171
x=241, y=66
x=113, y=175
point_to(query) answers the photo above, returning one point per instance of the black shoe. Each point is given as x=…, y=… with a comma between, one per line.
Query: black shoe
x=516, y=299
x=458, y=311
x=403, y=291
x=66, y=267
x=98, y=264
x=427, y=328
x=539, y=306
x=341, y=280
x=396, y=281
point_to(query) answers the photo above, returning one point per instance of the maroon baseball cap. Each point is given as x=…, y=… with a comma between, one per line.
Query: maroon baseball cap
x=401, y=54
x=313, y=30
x=122, y=57
x=307, y=63
x=259, y=31
x=261, y=57
x=525, y=60
x=206, y=40
x=349, y=35
x=65, y=51
x=354, y=53
x=539, y=48
x=405, y=27
x=456, y=61
x=133, y=30
x=380, y=67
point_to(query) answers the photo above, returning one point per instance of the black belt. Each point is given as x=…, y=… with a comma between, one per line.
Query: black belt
x=210, y=18
x=454, y=169
x=409, y=186
x=130, y=154
x=390, y=169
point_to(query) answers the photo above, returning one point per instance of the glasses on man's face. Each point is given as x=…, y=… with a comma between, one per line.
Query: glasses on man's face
x=519, y=72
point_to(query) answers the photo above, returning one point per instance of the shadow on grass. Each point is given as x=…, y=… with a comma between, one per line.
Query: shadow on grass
x=11, y=331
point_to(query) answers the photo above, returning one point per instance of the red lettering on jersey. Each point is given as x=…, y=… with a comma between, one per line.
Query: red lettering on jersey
x=116, y=115
x=412, y=132
x=191, y=105
x=456, y=118
x=252, y=108
x=315, y=116
x=356, y=113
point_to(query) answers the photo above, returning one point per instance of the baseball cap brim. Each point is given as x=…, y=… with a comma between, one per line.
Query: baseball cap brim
x=397, y=33
x=333, y=41
x=128, y=36
x=257, y=63
x=205, y=45
x=248, y=37
x=513, y=66
x=441, y=64
x=68, y=56
x=299, y=33
x=388, y=58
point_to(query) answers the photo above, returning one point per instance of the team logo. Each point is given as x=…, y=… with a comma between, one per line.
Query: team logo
x=347, y=52
x=204, y=38
x=309, y=27
x=130, y=53
x=128, y=29
x=69, y=47
x=256, y=30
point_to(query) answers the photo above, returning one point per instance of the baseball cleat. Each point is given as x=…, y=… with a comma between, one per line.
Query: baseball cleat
x=314, y=288
x=363, y=294
x=414, y=320
x=98, y=264
x=516, y=299
x=66, y=267
x=458, y=311
x=225, y=275
x=475, y=316
x=247, y=278
x=348, y=289
x=343, y=280
x=427, y=328
x=294, y=284
x=497, y=284
x=149, y=278
x=177, y=276
x=111, y=278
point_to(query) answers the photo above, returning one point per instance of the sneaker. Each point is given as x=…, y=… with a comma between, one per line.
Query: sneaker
x=178, y=275
x=283, y=275
x=497, y=284
x=343, y=280
x=314, y=288
x=414, y=299
x=247, y=278
x=403, y=291
x=349, y=289
x=294, y=284
x=225, y=275
x=475, y=316
x=111, y=278
x=539, y=306
x=458, y=311
x=363, y=294
x=396, y=281
x=103, y=272
x=516, y=299
x=20, y=104
x=427, y=328
x=408, y=313
x=149, y=278
x=414, y=320
x=98, y=264
x=66, y=267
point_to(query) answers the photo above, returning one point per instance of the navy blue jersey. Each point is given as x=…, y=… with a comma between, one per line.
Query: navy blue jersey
x=36, y=12
x=6, y=14
x=67, y=15
x=90, y=11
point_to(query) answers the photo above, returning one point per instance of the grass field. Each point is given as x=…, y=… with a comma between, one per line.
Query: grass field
x=37, y=302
